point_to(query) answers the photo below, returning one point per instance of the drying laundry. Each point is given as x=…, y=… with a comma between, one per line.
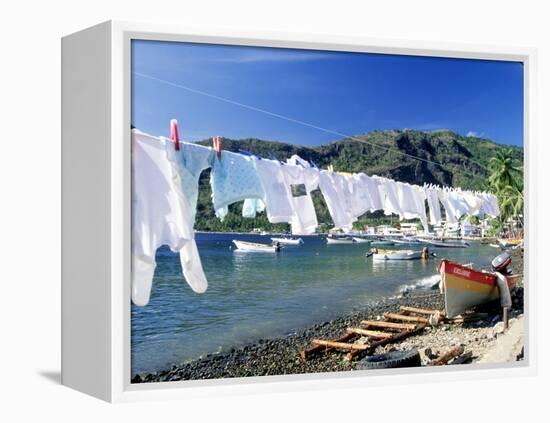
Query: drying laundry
x=252, y=206
x=301, y=180
x=233, y=178
x=391, y=200
x=276, y=194
x=337, y=191
x=433, y=205
x=163, y=211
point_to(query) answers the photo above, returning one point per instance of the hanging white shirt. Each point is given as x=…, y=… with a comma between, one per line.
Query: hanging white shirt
x=276, y=193
x=300, y=181
x=449, y=211
x=433, y=205
x=391, y=201
x=338, y=195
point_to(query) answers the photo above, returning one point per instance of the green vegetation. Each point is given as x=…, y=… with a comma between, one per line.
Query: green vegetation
x=506, y=182
x=466, y=163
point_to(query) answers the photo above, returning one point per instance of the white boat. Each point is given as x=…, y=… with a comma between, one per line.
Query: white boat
x=288, y=241
x=254, y=246
x=360, y=240
x=340, y=241
x=445, y=243
x=407, y=241
x=397, y=255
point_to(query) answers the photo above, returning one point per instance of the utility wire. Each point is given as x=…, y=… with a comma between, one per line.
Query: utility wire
x=283, y=117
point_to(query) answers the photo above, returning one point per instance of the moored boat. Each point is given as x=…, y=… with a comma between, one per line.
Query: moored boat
x=382, y=243
x=340, y=240
x=465, y=287
x=288, y=241
x=360, y=240
x=445, y=243
x=509, y=243
x=256, y=247
x=397, y=254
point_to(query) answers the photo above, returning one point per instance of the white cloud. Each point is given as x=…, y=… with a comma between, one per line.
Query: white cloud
x=474, y=134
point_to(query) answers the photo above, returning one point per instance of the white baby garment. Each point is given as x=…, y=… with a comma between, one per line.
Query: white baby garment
x=159, y=217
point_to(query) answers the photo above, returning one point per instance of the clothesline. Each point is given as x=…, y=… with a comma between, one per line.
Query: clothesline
x=165, y=192
x=289, y=119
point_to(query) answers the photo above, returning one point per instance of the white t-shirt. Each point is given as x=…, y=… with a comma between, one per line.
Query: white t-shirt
x=300, y=181
x=433, y=205
x=339, y=195
x=276, y=194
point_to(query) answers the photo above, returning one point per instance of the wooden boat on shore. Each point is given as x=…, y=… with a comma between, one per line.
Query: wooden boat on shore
x=396, y=254
x=445, y=243
x=465, y=287
x=256, y=247
x=288, y=241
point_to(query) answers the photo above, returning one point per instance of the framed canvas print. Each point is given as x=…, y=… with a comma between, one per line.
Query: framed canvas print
x=257, y=212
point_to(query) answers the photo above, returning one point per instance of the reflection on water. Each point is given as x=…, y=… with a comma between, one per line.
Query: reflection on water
x=258, y=295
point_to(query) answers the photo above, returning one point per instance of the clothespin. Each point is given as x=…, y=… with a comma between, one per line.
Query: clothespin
x=174, y=134
x=217, y=145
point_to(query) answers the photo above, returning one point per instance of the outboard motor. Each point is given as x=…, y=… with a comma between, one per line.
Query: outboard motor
x=501, y=262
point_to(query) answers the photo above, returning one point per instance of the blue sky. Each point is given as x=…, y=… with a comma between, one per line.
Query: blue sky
x=350, y=93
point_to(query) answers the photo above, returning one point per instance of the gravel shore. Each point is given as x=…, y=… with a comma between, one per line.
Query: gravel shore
x=281, y=356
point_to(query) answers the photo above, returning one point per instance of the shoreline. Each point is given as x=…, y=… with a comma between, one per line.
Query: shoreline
x=280, y=356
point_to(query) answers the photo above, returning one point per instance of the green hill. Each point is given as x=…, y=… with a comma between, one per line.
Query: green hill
x=463, y=162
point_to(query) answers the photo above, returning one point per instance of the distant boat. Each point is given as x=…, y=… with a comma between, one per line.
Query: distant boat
x=360, y=240
x=407, y=241
x=288, y=241
x=445, y=243
x=396, y=255
x=339, y=240
x=465, y=287
x=256, y=247
x=382, y=243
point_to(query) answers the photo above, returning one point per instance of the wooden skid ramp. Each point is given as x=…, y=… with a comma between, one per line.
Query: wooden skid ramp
x=374, y=333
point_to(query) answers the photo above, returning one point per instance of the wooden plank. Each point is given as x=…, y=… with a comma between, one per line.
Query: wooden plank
x=340, y=345
x=394, y=316
x=395, y=338
x=370, y=333
x=308, y=352
x=388, y=325
x=444, y=358
x=405, y=309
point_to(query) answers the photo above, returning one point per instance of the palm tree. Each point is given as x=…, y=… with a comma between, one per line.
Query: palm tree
x=503, y=170
x=506, y=182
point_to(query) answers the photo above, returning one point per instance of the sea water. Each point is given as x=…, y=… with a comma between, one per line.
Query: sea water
x=259, y=295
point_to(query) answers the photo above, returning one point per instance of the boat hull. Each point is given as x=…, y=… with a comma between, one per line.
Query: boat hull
x=288, y=241
x=255, y=247
x=397, y=255
x=360, y=240
x=445, y=244
x=465, y=288
x=342, y=241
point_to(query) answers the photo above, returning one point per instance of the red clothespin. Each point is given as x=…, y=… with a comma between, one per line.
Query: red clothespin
x=217, y=143
x=174, y=133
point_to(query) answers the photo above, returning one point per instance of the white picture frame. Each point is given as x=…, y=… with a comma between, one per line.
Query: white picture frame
x=96, y=107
